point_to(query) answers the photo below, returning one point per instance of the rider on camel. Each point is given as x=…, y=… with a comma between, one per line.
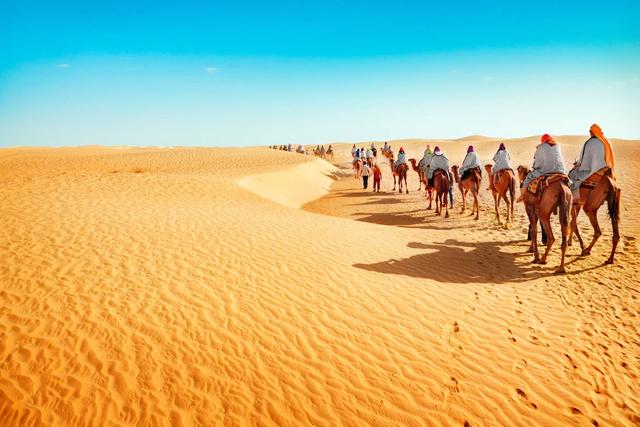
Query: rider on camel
x=470, y=162
x=402, y=158
x=596, y=154
x=501, y=161
x=547, y=160
x=423, y=165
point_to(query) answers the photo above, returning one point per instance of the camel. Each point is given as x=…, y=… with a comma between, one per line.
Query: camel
x=401, y=174
x=471, y=183
x=357, y=167
x=422, y=178
x=506, y=182
x=556, y=195
x=329, y=154
x=593, y=195
x=441, y=184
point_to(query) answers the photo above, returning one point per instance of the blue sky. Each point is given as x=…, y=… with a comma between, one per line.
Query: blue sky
x=253, y=73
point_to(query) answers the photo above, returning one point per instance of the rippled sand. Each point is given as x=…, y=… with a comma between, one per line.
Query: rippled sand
x=186, y=286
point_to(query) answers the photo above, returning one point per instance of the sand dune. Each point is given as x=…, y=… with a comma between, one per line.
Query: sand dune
x=184, y=286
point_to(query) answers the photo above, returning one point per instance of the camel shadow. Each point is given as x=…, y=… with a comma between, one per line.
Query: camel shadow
x=454, y=261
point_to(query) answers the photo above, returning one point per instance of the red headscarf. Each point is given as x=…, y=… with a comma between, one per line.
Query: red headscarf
x=548, y=139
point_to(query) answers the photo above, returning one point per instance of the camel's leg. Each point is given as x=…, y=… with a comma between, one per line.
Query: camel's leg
x=575, y=211
x=616, y=239
x=593, y=217
x=476, y=204
x=614, y=221
x=464, y=198
x=406, y=186
x=533, y=232
x=430, y=198
x=506, y=201
x=496, y=205
x=394, y=183
x=446, y=206
x=565, y=229
x=546, y=225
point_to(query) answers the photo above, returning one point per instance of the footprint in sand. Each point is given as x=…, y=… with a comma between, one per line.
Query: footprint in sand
x=520, y=365
x=523, y=395
x=456, y=327
x=452, y=385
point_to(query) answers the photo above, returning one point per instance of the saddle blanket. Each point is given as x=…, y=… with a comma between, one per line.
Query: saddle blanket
x=539, y=184
x=595, y=178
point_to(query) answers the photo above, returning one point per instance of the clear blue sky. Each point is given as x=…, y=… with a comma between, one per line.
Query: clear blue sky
x=253, y=73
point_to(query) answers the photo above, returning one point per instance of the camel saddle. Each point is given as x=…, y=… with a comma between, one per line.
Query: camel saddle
x=498, y=175
x=468, y=173
x=538, y=185
x=593, y=179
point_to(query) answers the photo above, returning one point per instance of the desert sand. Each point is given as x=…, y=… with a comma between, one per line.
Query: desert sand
x=201, y=286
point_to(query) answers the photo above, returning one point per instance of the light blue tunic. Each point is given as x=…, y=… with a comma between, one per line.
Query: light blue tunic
x=424, y=162
x=591, y=161
x=470, y=161
x=501, y=161
x=548, y=159
x=402, y=158
x=438, y=161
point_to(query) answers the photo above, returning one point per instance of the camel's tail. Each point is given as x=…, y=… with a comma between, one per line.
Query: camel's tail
x=512, y=187
x=564, y=207
x=613, y=200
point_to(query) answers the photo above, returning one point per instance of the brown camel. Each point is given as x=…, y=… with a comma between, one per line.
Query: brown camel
x=400, y=173
x=441, y=184
x=556, y=195
x=423, y=180
x=593, y=193
x=357, y=167
x=329, y=154
x=505, y=182
x=471, y=183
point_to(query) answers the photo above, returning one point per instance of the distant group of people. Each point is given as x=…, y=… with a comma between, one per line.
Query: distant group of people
x=367, y=156
x=285, y=147
x=596, y=154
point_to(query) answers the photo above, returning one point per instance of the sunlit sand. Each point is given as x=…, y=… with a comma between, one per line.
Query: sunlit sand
x=193, y=286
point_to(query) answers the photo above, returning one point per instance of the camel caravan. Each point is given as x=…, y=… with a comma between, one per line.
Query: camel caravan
x=546, y=189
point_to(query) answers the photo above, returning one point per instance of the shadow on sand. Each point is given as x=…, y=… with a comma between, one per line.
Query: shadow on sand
x=450, y=262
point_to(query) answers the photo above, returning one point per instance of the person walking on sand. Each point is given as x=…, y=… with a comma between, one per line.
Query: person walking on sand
x=547, y=159
x=377, y=177
x=596, y=154
x=366, y=171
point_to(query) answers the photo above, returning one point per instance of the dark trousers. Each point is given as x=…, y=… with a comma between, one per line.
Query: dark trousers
x=376, y=184
x=365, y=181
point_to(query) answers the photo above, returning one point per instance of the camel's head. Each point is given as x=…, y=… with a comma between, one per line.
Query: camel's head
x=455, y=169
x=523, y=171
x=488, y=168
